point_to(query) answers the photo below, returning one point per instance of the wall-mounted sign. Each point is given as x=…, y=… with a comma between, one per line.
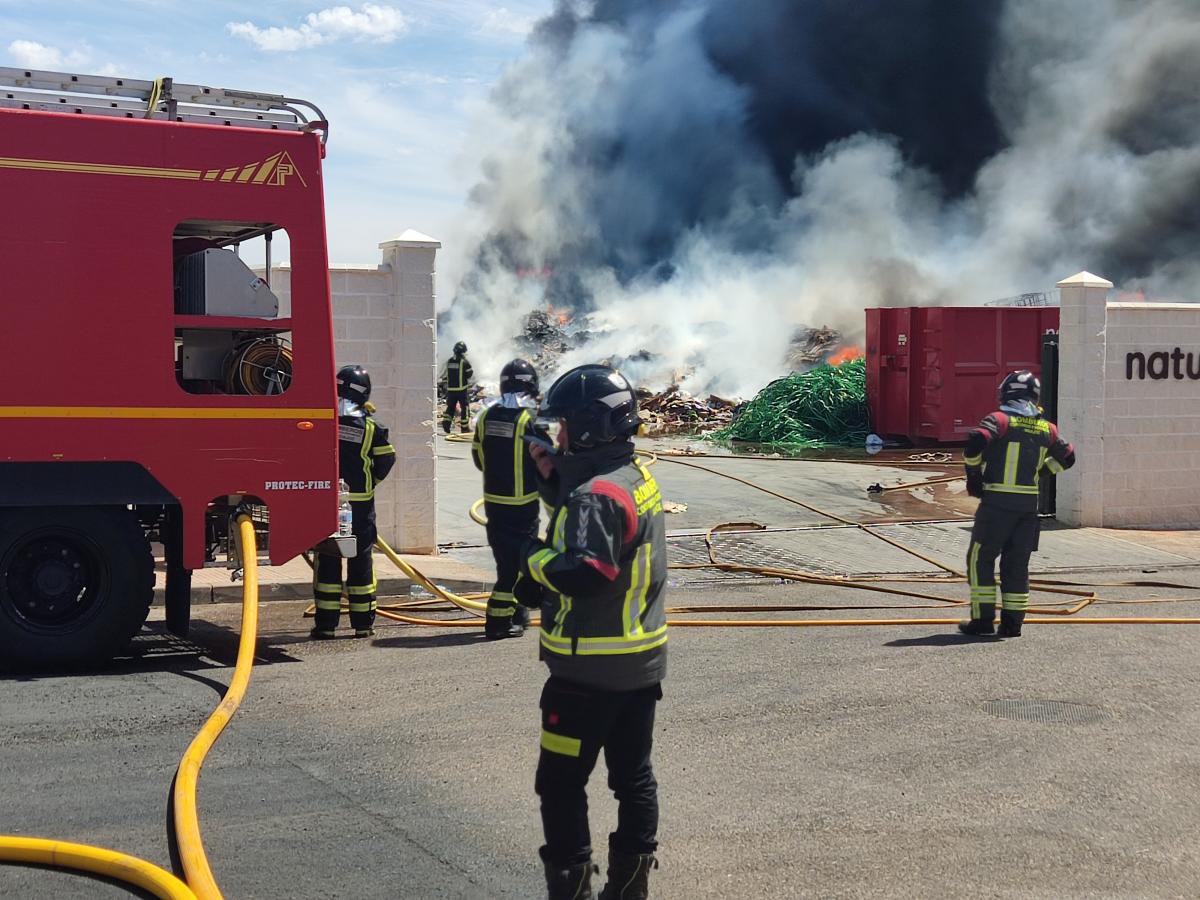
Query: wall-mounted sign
x=1163, y=364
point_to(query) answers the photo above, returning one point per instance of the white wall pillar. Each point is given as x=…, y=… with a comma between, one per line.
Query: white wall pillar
x=1081, y=360
x=410, y=493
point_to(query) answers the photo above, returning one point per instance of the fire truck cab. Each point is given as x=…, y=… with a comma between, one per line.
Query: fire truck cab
x=153, y=383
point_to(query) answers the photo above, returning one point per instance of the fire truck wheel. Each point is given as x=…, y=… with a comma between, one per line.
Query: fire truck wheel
x=75, y=584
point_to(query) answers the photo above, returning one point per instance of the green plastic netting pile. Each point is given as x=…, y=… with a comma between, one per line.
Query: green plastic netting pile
x=823, y=407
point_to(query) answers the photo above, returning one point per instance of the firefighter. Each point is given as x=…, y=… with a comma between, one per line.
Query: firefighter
x=364, y=459
x=1004, y=458
x=601, y=584
x=457, y=376
x=510, y=492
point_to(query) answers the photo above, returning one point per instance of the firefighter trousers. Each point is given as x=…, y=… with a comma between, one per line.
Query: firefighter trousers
x=460, y=400
x=577, y=723
x=508, y=528
x=360, y=577
x=1011, y=535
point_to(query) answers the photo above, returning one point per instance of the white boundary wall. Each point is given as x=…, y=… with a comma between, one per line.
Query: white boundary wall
x=383, y=318
x=1129, y=399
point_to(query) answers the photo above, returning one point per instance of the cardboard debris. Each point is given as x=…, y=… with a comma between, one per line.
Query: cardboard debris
x=675, y=411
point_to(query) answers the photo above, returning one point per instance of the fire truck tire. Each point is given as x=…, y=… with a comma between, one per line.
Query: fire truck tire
x=76, y=584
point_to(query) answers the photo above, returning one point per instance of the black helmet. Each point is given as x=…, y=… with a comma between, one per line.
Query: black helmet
x=519, y=377
x=1023, y=385
x=354, y=384
x=460, y=348
x=596, y=403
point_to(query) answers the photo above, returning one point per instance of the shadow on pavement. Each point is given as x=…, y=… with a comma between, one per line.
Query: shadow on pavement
x=154, y=649
x=432, y=641
x=941, y=640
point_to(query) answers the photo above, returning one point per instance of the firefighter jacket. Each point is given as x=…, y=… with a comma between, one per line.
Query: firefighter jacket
x=364, y=455
x=605, y=573
x=1005, y=455
x=501, y=453
x=458, y=374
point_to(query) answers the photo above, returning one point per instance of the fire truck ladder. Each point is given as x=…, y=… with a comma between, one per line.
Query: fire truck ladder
x=162, y=98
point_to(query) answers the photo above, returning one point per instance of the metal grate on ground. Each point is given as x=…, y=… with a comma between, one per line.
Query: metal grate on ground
x=1047, y=712
x=849, y=551
x=830, y=551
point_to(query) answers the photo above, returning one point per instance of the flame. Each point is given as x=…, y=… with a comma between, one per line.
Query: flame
x=844, y=354
x=561, y=316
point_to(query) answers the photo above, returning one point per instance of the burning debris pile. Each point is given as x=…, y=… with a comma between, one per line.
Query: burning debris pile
x=811, y=347
x=813, y=408
x=825, y=406
x=543, y=339
x=675, y=411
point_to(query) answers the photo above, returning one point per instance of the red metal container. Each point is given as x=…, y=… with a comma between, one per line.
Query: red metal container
x=932, y=371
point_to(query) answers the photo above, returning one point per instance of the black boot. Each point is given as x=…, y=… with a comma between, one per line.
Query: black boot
x=628, y=876
x=570, y=882
x=1010, y=623
x=495, y=628
x=984, y=625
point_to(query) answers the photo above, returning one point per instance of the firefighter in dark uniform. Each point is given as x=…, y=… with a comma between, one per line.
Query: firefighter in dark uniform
x=510, y=491
x=1004, y=457
x=600, y=580
x=364, y=459
x=458, y=377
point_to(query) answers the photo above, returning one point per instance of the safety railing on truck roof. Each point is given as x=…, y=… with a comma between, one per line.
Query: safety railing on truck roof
x=161, y=98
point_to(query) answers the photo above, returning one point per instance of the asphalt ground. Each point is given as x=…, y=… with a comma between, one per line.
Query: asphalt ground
x=879, y=761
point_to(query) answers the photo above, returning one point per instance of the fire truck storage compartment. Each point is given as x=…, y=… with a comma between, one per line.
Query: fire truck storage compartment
x=229, y=337
x=932, y=372
x=215, y=282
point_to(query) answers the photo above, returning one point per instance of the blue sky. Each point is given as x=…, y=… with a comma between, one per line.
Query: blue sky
x=401, y=82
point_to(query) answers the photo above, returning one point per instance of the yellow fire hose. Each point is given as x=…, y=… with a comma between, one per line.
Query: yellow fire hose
x=187, y=824
x=96, y=861
x=138, y=872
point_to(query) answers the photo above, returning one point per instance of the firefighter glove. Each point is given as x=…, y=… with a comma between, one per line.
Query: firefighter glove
x=528, y=592
x=975, y=482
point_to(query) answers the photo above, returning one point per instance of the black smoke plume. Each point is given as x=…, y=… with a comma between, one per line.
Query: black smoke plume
x=705, y=176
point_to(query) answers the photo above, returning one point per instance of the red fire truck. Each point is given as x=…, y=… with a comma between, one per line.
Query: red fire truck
x=153, y=383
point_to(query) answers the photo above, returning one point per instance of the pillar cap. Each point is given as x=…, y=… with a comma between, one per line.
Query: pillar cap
x=411, y=238
x=1085, y=279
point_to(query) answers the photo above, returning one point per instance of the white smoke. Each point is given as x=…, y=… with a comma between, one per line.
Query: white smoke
x=1098, y=101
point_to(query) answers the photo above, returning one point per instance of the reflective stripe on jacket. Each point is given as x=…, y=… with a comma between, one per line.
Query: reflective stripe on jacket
x=1012, y=451
x=605, y=569
x=364, y=455
x=458, y=374
x=501, y=453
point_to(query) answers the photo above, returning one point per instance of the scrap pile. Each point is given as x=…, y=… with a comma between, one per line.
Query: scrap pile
x=543, y=339
x=823, y=407
x=675, y=411
x=810, y=347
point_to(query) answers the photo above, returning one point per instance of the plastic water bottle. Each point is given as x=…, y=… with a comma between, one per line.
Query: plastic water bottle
x=345, y=512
